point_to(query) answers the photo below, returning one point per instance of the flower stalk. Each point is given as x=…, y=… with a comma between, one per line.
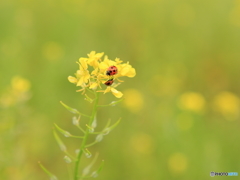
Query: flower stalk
x=93, y=75
x=83, y=144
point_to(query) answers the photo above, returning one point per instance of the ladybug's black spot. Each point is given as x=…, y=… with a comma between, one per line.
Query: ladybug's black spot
x=114, y=70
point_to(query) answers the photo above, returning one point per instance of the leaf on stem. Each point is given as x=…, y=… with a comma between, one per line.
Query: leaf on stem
x=113, y=103
x=59, y=141
x=95, y=173
x=87, y=169
x=52, y=176
x=87, y=98
x=108, y=129
x=91, y=130
x=87, y=153
x=65, y=133
x=72, y=110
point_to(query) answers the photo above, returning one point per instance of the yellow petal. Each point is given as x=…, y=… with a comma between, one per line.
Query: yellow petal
x=126, y=70
x=94, y=55
x=131, y=73
x=72, y=79
x=95, y=71
x=83, y=63
x=118, y=61
x=86, y=78
x=93, y=85
x=108, y=89
x=116, y=93
x=80, y=82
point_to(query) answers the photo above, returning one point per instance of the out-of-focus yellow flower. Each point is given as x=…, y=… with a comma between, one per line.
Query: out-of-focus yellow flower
x=137, y=141
x=133, y=100
x=228, y=104
x=177, y=163
x=192, y=101
x=53, y=51
x=18, y=92
x=93, y=72
x=20, y=84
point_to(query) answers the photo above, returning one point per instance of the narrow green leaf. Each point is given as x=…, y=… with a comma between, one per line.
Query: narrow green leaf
x=113, y=103
x=59, y=141
x=88, y=98
x=87, y=169
x=52, y=177
x=65, y=133
x=95, y=173
x=87, y=153
x=108, y=129
x=90, y=128
x=72, y=110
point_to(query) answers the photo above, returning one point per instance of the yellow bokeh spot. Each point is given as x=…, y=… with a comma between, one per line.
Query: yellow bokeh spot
x=184, y=121
x=183, y=15
x=52, y=51
x=17, y=92
x=133, y=100
x=234, y=16
x=142, y=143
x=20, y=84
x=177, y=163
x=228, y=104
x=192, y=101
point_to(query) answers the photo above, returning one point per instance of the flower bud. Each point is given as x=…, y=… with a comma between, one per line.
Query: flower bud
x=67, y=159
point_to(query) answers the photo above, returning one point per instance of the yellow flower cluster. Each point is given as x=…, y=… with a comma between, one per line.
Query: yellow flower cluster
x=94, y=71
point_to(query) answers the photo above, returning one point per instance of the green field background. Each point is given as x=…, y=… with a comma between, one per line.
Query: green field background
x=180, y=115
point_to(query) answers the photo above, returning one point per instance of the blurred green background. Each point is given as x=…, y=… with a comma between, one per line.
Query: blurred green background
x=180, y=117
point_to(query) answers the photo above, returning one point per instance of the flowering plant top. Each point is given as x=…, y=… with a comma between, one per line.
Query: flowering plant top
x=95, y=72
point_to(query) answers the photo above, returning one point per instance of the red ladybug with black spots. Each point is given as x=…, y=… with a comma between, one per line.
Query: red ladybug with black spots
x=109, y=82
x=112, y=70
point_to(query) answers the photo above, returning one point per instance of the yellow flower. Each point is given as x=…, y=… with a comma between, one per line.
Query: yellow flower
x=93, y=85
x=96, y=75
x=72, y=79
x=115, y=92
x=105, y=64
x=82, y=74
x=125, y=70
x=94, y=58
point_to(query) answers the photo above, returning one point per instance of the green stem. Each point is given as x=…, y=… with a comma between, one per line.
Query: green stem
x=94, y=111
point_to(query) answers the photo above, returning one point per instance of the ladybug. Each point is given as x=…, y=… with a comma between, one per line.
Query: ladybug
x=109, y=82
x=112, y=70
